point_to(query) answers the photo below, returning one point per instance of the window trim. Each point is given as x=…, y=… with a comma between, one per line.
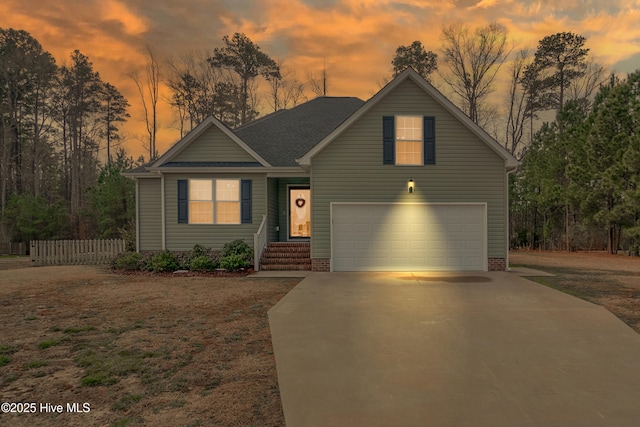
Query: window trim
x=415, y=118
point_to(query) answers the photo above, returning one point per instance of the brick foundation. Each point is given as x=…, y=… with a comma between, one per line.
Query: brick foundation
x=320, y=264
x=497, y=264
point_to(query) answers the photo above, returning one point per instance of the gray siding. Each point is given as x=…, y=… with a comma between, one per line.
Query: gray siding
x=350, y=169
x=149, y=214
x=272, y=204
x=185, y=236
x=214, y=145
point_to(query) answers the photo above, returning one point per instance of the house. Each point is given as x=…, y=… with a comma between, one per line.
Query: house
x=402, y=182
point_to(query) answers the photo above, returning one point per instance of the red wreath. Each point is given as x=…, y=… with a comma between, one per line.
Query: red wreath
x=300, y=202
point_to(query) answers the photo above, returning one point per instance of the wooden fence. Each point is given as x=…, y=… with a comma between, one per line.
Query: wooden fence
x=13, y=248
x=70, y=252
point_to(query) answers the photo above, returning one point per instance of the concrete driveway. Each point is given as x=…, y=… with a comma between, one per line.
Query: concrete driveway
x=441, y=349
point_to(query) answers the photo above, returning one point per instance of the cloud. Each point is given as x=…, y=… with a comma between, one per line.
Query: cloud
x=354, y=39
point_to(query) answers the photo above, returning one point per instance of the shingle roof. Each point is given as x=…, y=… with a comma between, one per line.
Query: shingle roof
x=286, y=135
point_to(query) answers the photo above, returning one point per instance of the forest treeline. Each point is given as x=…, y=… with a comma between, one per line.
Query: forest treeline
x=573, y=125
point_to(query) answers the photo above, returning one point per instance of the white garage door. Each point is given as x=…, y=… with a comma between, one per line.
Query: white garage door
x=408, y=237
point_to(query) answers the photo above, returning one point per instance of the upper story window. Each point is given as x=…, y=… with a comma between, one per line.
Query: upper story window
x=409, y=142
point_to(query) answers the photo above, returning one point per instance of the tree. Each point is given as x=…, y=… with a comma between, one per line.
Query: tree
x=559, y=60
x=148, y=88
x=112, y=199
x=241, y=56
x=114, y=110
x=608, y=163
x=318, y=83
x=287, y=91
x=27, y=73
x=519, y=110
x=415, y=56
x=80, y=103
x=473, y=58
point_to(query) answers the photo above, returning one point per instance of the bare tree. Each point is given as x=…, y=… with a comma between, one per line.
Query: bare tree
x=473, y=58
x=519, y=110
x=318, y=84
x=148, y=88
x=287, y=91
x=583, y=88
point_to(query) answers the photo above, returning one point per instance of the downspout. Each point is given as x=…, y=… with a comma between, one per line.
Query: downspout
x=162, y=212
x=137, y=214
x=507, y=221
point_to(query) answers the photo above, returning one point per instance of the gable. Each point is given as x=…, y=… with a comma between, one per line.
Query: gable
x=213, y=145
x=419, y=88
x=361, y=144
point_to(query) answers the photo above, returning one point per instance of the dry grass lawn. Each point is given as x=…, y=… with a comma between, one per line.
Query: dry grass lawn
x=612, y=281
x=140, y=350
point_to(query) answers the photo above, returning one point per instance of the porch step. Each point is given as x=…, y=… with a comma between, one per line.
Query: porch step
x=280, y=256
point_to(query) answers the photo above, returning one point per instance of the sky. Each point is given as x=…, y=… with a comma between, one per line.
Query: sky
x=354, y=39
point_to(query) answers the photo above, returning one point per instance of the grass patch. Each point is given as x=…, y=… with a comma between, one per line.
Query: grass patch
x=105, y=367
x=4, y=360
x=126, y=401
x=49, y=343
x=35, y=364
x=30, y=318
x=7, y=349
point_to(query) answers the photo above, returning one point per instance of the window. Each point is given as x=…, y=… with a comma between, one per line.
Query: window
x=221, y=206
x=200, y=201
x=409, y=141
x=227, y=201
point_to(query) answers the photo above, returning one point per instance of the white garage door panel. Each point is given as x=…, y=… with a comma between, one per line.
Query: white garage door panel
x=400, y=237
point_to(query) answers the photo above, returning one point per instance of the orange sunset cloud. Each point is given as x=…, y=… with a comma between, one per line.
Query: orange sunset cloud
x=354, y=39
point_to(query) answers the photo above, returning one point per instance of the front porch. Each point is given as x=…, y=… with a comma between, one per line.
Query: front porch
x=282, y=241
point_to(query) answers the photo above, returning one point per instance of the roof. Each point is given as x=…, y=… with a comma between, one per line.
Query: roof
x=286, y=135
x=195, y=134
x=510, y=161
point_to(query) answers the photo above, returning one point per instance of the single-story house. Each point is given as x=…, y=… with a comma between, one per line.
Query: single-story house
x=402, y=182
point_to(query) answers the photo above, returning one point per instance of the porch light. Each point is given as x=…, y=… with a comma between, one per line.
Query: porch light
x=410, y=185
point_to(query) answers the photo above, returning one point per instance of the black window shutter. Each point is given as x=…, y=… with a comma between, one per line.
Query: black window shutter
x=429, y=140
x=245, y=201
x=183, y=201
x=388, y=140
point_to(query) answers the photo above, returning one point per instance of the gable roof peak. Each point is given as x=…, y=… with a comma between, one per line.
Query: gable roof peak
x=411, y=74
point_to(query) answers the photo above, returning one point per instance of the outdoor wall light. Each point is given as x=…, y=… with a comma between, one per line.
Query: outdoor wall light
x=410, y=185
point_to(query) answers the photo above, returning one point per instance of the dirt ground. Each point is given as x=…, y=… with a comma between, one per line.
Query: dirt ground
x=612, y=281
x=136, y=350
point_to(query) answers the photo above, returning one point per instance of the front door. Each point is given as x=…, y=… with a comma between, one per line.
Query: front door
x=299, y=212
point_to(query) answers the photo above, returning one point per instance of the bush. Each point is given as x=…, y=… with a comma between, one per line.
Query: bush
x=127, y=261
x=233, y=262
x=202, y=263
x=163, y=262
x=237, y=247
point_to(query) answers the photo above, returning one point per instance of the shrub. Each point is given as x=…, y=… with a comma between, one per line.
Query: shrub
x=163, y=262
x=237, y=247
x=202, y=263
x=233, y=262
x=127, y=261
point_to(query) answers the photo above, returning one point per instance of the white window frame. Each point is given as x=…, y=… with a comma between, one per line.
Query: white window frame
x=214, y=201
x=406, y=133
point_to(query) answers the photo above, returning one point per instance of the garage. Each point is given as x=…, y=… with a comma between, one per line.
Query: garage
x=408, y=236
